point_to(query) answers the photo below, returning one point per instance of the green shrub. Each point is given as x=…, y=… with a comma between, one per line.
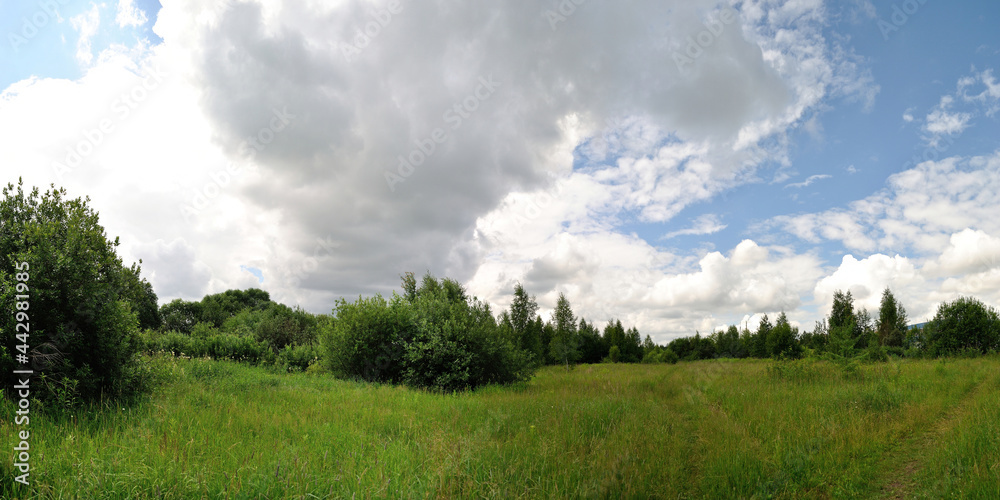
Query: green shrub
x=296, y=358
x=669, y=356
x=963, y=327
x=276, y=324
x=217, y=346
x=367, y=341
x=437, y=339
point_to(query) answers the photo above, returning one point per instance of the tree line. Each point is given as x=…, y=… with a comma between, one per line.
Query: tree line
x=965, y=326
x=91, y=318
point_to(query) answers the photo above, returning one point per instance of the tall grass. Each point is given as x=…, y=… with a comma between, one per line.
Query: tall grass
x=706, y=429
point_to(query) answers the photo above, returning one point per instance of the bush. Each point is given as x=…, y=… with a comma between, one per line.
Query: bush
x=670, y=356
x=296, y=358
x=216, y=346
x=614, y=354
x=82, y=300
x=963, y=325
x=438, y=338
x=275, y=324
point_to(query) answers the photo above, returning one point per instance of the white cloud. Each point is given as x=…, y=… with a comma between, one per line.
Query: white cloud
x=703, y=224
x=919, y=208
x=86, y=24
x=942, y=122
x=988, y=98
x=129, y=14
x=811, y=179
x=498, y=200
x=866, y=278
x=940, y=214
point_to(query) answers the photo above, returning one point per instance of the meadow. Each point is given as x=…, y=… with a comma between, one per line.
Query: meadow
x=705, y=429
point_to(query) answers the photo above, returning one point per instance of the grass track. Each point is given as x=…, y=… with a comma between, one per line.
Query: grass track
x=711, y=429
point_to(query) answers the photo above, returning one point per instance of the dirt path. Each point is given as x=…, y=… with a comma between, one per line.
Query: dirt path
x=901, y=482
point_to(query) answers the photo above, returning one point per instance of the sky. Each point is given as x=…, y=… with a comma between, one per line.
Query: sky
x=680, y=165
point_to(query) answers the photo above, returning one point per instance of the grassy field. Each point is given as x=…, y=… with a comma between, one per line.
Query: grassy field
x=715, y=429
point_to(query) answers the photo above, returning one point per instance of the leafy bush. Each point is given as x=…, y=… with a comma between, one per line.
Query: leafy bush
x=614, y=354
x=963, y=325
x=438, y=339
x=669, y=356
x=660, y=354
x=276, y=324
x=368, y=339
x=217, y=346
x=295, y=358
x=82, y=300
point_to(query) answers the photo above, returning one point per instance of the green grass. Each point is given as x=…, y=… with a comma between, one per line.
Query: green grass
x=709, y=429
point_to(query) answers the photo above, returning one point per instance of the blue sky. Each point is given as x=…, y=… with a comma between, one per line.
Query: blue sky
x=772, y=168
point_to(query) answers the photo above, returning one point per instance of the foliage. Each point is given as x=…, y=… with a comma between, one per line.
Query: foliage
x=298, y=357
x=782, y=341
x=82, y=301
x=369, y=338
x=523, y=310
x=180, y=315
x=208, y=343
x=441, y=340
x=565, y=344
x=891, y=324
x=593, y=348
x=615, y=354
x=965, y=323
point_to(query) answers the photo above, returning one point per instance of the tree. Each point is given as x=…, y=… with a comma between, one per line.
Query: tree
x=782, y=341
x=592, y=346
x=964, y=324
x=533, y=341
x=442, y=340
x=83, y=302
x=565, y=344
x=523, y=310
x=864, y=332
x=728, y=343
x=817, y=338
x=140, y=294
x=614, y=335
x=891, y=323
x=180, y=315
x=842, y=312
x=758, y=341
x=843, y=325
x=647, y=345
x=409, y=286
x=548, y=333
x=632, y=347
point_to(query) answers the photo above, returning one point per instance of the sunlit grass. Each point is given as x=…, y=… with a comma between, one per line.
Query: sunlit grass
x=705, y=429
